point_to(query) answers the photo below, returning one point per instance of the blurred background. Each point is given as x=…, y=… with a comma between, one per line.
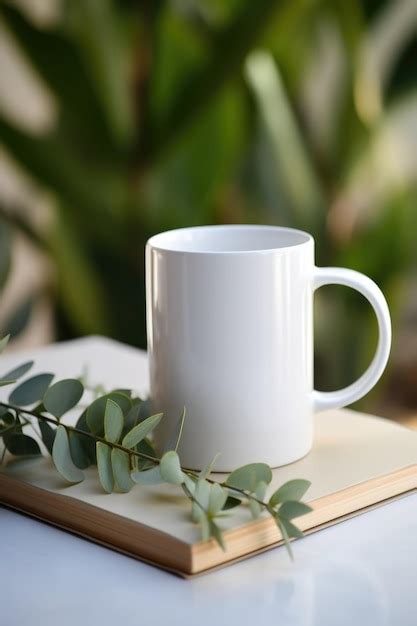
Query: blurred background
x=122, y=118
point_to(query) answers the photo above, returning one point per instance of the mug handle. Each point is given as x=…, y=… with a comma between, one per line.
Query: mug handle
x=339, y=276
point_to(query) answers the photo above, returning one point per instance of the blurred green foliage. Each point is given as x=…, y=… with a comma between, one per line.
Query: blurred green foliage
x=186, y=112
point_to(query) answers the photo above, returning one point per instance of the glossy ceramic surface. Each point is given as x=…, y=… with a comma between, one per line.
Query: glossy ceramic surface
x=230, y=336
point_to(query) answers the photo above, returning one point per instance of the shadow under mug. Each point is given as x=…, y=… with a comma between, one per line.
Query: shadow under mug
x=230, y=337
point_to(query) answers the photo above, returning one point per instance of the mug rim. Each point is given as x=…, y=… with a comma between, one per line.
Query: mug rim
x=157, y=241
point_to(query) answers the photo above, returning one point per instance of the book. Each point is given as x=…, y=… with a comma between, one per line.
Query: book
x=358, y=461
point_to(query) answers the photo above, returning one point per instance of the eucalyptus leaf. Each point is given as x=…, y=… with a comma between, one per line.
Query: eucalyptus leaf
x=132, y=418
x=175, y=438
x=260, y=490
x=17, y=372
x=148, y=477
x=3, y=343
x=104, y=466
x=217, y=499
x=202, y=496
x=113, y=421
x=20, y=444
x=79, y=452
x=121, y=470
x=291, y=529
x=88, y=444
x=291, y=509
x=205, y=527
x=8, y=421
x=61, y=456
x=96, y=410
x=291, y=490
x=5, y=382
x=145, y=409
x=217, y=534
x=146, y=447
x=231, y=503
x=190, y=483
x=285, y=536
x=48, y=435
x=139, y=432
x=255, y=508
x=170, y=468
x=248, y=476
x=63, y=396
x=206, y=471
x=31, y=390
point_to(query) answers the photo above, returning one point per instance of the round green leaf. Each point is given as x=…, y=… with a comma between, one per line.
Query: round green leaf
x=291, y=509
x=231, y=503
x=170, y=468
x=148, y=477
x=105, y=472
x=97, y=409
x=217, y=499
x=175, y=437
x=61, y=456
x=121, y=470
x=206, y=471
x=48, y=435
x=5, y=382
x=255, y=508
x=248, y=476
x=7, y=420
x=17, y=372
x=292, y=530
x=89, y=445
x=21, y=445
x=140, y=431
x=291, y=490
x=202, y=495
x=63, y=396
x=113, y=421
x=79, y=453
x=217, y=534
x=31, y=390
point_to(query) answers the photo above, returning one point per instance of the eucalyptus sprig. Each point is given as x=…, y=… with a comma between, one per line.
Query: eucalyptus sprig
x=114, y=433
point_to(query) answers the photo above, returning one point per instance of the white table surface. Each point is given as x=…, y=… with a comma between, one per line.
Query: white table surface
x=362, y=571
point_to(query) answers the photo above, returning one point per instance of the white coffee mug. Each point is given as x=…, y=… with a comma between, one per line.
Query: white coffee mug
x=230, y=337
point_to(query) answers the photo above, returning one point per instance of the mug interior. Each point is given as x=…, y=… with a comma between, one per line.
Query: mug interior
x=240, y=238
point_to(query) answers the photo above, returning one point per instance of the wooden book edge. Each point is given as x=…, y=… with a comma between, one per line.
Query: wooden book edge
x=156, y=547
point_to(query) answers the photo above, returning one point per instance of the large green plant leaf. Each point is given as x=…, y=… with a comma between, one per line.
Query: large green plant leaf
x=97, y=27
x=52, y=160
x=292, y=163
x=81, y=290
x=201, y=85
x=59, y=63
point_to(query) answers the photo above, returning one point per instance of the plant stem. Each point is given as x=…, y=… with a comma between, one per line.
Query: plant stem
x=141, y=455
x=83, y=433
